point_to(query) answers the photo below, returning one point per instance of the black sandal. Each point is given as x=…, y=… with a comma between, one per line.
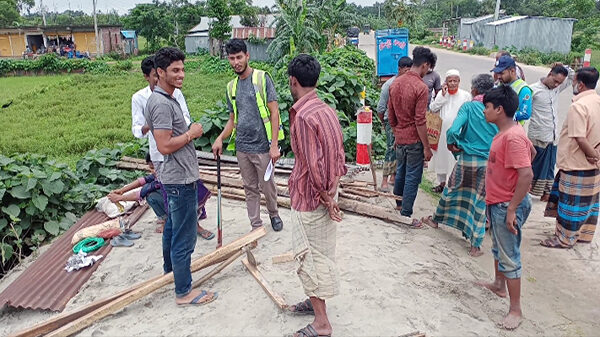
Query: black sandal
x=302, y=308
x=309, y=331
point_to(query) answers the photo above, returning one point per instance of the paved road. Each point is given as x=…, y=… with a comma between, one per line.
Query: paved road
x=471, y=65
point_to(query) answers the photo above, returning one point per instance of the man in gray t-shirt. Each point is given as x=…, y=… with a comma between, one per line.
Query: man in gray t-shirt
x=179, y=176
x=254, y=135
x=434, y=83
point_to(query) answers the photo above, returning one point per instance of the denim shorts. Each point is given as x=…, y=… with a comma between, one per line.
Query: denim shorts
x=506, y=246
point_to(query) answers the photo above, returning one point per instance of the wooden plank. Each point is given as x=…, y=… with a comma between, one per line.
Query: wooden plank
x=283, y=258
x=279, y=301
x=383, y=194
x=362, y=193
x=371, y=210
x=218, y=269
x=133, y=160
x=121, y=302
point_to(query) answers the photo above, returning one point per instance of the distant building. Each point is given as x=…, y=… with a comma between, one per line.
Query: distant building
x=198, y=37
x=546, y=34
x=15, y=40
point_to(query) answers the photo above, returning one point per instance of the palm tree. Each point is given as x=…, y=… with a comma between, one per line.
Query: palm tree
x=402, y=13
x=295, y=30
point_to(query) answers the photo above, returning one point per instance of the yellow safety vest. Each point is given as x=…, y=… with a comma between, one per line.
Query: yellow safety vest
x=260, y=88
x=517, y=86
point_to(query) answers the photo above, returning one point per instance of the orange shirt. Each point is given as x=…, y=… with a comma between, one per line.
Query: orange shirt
x=583, y=120
x=511, y=150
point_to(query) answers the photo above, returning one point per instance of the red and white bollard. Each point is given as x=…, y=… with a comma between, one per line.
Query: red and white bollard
x=465, y=44
x=364, y=131
x=587, y=58
x=441, y=41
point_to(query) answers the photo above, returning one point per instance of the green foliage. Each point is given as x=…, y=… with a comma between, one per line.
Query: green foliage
x=153, y=21
x=220, y=10
x=125, y=65
x=50, y=63
x=9, y=13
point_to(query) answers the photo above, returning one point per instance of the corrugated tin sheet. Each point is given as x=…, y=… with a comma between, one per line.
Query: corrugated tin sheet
x=259, y=32
x=46, y=284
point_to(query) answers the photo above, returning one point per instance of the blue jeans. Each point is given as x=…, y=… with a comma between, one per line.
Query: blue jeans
x=179, y=235
x=409, y=173
x=156, y=201
x=506, y=246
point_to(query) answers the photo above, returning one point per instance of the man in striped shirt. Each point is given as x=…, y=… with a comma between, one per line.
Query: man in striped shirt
x=318, y=145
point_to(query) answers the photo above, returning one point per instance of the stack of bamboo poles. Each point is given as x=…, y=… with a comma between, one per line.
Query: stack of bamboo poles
x=354, y=196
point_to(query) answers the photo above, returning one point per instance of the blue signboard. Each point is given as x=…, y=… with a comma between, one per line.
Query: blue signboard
x=391, y=45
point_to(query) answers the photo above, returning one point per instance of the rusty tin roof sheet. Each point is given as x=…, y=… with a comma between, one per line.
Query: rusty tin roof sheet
x=46, y=284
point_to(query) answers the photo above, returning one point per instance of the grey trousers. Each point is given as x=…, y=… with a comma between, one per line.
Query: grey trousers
x=253, y=167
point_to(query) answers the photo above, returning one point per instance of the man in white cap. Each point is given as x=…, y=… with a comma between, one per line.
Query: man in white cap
x=446, y=103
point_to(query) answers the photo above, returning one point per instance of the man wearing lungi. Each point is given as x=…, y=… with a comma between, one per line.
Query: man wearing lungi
x=543, y=127
x=574, y=199
x=318, y=145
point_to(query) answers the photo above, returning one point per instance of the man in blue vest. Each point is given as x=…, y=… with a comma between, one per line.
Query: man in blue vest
x=506, y=71
x=254, y=129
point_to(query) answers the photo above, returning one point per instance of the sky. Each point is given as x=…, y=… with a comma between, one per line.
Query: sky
x=123, y=6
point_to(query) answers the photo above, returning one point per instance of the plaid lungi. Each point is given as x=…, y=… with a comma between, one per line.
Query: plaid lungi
x=575, y=202
x=389, y=166
x=543, y=170
x=462, y=205
x=314, y=237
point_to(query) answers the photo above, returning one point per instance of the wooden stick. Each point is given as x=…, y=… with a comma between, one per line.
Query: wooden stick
x=279, y=301
x=218, y=269
x=371, y=210
x=133, y=160
x=413, y=334
x=344, y=194
x=121, y=302
x=362, y=193
x=383, y=194
x=283, y=258
x=132, y=166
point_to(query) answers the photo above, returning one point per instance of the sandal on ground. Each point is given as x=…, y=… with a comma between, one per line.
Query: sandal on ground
x=198, y=299
x=301, y=308
x=120, y=241
x=206, y=234
x=129, y=235
x=309, y=331
x=439, y=188
x=552, y=243
x=386, y=189
x=416, y=224
x=429, y=221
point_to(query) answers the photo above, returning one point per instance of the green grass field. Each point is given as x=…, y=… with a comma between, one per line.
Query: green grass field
x=65, y=116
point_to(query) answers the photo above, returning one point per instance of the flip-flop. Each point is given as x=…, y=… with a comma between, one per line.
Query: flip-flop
x=196, y=300
x=309, y=331
x=301, y=308
x=203, y=235
x=120, y=241
x=416, y=224
x=429, y=222
x=131, y=235
x=552, y=243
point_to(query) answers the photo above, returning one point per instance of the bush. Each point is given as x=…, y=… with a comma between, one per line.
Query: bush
x=50, y=63
x=126, y=65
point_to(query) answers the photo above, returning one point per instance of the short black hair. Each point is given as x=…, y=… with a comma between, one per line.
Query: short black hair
x=148, y=159
x=588, y=76
x=559, y=69
x=148, y=65
x=167, y=55
x=505, y=96
x=305, y=69
x=235, y=46
x=405, y=62
x=423, y=55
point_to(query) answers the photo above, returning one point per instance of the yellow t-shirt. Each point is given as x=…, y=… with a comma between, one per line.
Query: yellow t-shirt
x=583, y=120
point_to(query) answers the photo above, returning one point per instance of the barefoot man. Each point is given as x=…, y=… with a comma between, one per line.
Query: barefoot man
x=507, y=182
x=179, y=174
x=318, y=146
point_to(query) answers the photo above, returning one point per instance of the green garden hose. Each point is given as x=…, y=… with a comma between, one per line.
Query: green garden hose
x=88, y=245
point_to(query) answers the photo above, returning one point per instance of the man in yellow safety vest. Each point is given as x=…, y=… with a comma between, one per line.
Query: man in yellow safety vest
x=254, y=129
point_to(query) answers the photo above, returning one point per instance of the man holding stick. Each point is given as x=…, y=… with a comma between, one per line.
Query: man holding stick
x=318, y=145
x=179, y=174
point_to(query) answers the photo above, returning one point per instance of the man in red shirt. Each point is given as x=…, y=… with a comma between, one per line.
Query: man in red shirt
x=406, y=113
x=318, y=145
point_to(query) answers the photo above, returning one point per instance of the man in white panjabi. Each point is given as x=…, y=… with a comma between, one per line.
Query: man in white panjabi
x=446, y=103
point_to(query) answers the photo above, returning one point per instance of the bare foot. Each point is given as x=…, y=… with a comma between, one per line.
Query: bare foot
x=512, y=320
x=475, y=252
x=159, y=229
x=429, y=221
x=196, y=297
x=501, y=292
